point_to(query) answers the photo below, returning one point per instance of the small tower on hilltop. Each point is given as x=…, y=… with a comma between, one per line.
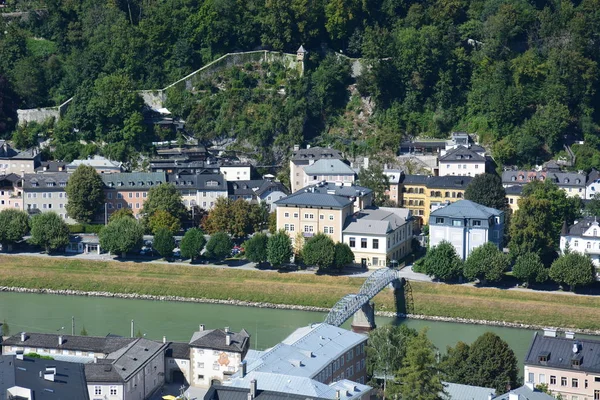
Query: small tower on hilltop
x=300, y=55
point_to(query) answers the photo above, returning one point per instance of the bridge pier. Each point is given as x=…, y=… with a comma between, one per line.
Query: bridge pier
x=364, y=319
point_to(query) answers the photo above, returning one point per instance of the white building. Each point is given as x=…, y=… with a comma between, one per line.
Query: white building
x=200, y=190
x=592, y=185
x=583, y=237
x=236, y=172
x=330, y=171
x=264, y=191
x=461, y=160
x=466, y=225
x=100, y=164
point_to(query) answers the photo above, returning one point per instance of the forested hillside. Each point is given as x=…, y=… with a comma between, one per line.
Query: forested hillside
x=523, y=74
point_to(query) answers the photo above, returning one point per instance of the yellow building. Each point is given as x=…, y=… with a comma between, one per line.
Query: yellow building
x=513, y=195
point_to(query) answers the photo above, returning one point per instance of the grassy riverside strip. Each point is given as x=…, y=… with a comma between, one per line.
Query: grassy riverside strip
x=460, y=301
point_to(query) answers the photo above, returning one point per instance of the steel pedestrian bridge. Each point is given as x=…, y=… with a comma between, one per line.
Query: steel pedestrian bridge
x=351, y=303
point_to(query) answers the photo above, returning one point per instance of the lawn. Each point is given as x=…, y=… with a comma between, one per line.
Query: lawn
x=563, y=310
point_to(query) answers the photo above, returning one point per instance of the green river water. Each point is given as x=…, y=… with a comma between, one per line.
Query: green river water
x=177, y=321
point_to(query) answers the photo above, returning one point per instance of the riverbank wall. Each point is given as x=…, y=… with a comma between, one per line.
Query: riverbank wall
x=388, y=314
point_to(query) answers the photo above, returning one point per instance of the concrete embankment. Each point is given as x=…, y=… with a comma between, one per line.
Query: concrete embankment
x=68, y=292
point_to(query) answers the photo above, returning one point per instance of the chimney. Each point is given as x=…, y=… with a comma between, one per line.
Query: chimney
x=226, y=329
x=513, y=396
x=19, y=354
x=570, y=335
x=296, y=147
x=201, y=327
x=243, y=369
x=249, y=396
x=490, y=396
x=23, y=336
x=227, y=339
x=337, y=395
x=164, y=339
x=60, y=340
x=253, y=387
x=550, y=332
x=49, y=374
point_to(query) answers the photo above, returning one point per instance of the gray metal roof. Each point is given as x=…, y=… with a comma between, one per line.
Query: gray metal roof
x=215, y=339
x=69, y=382
x=582, y=225
x=178, y=350
x=96, y=162
x=463, y=155
x=448, y=182
x=48, y=182
x=414, y=179
x=102, y=371
x=466, y=209
x=51, y=166
x=310, y=199
x=133, y=180
x=377, y=221
x=593, y=176
x=234, y=393
x=329, y=167
x=94, y=344
x=514, y=189
x=561, y=353
x=525, y=393
x=521, y=177
x=202, y=182
x=315, y=153
x=456, y=391
x=135, y=356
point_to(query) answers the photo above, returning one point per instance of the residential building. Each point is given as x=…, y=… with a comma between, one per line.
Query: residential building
x=301, y=158
x=466, y=225
x=393, y=192
x=100, y=164
x=192, y=153
x=258, y=191
x=236, y=171
x=330, y=171
x=379, y=235
x=422, y=147
x=184, y=166
x=216, y=354
x=11, y=192
x=513, y=195
x=583, y=237
x=51, y=166
x=177, y=363
x=462, y=161
x=129, y=190
x=200, y=190
x=27, y=378
x=568, y=365
x=316, y=361
x=17, y=162
x=592, y=185
x=46, y=192
x=83, y=244
x=421, y=193
x=573, y=183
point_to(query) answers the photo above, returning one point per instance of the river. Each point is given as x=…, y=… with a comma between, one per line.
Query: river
x=177, y=321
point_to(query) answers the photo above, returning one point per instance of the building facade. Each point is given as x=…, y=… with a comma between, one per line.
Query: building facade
x=257, y=191
x=129, y=190
x=330, y=171
x=46, y=193
x=583, y=237
x=573, y=183
x=11, y=192
x=301, y=158
x=201, y=190
x=462, y=160
x=18, y=162
x=566, y=364
x=466, y=225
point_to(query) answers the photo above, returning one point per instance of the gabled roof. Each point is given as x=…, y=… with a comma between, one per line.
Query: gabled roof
x=448, y=182
x=55, y=181
x=70, y=380
x=201, y=182
x=463, y=155
x=129, y=360
x=102, y=371
x=522, y=177
x=96, y=162
x=133, y=180
x=215, y=339
x=513, y=190
x=525, y=393
x=329, y=167
x=178, y=350
x=582, y=225
x=559, y=353
x=11, y=178
x=96, y=344
x=466, y=209
x=376, y=221
x=593, y=176
x=315, y=153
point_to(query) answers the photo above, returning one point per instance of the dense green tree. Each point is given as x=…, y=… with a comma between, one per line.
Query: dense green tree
x=279, y=249
x=531, y=230
x=319, y=251
x=486, y=263
x=164, y=243
x=455, y=364
x=592, y=207
x=238, y=217
x=192, y=243
x=255, y=248
x=121, y=213
x=529, y=268
x=14, y=224
x=8, y=106
x=343, y=255
x=374, y=179
x=86, y=194
x=49, y=230
x=386, y=350
x=419, y=376
x=219, y=246
x=487, y=190
x=163, y=220
x=573, y=269
x=442, y=262
x=121, y=236
x=492, y=363
x=164, y=197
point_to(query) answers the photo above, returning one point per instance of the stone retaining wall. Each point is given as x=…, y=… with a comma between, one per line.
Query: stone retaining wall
x=389, y=314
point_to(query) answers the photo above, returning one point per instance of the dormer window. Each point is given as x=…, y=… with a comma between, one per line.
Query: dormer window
x=513, y=178
x=120, y=184
x=566, y=180
x=543, y=357
x=577, y=181
x=521, y=177
x=62, y=184
x=50, y=184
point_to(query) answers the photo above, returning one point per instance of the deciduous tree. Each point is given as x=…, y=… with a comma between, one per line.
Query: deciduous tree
x=319, y=250
x=192, y=243
x=14, y=224
x=121, y=236
x=86, y=194
x=343, y=255
x=455, y=366
x=49, y=231
x=279, y=249
x=487, y=190
x=529, y=268
x=164, y=197
x=442, y=262
x=573, y=269
x=374, y=179
x=486, y=263
x=164, y=243
x=531, y=230
x=121, y=213
x=255, y=248
x=163, y=220
x=219, y=246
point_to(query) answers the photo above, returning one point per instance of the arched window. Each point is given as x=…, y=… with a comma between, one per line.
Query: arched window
x=432, y=193
x=513, y=178
x=521, y=177
x=595, y=232
x=421, y=203
x=421, y=190
x=453, y=194
x=566, y=180
x=447, y=194
x=459, y=195
x=410, y=190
